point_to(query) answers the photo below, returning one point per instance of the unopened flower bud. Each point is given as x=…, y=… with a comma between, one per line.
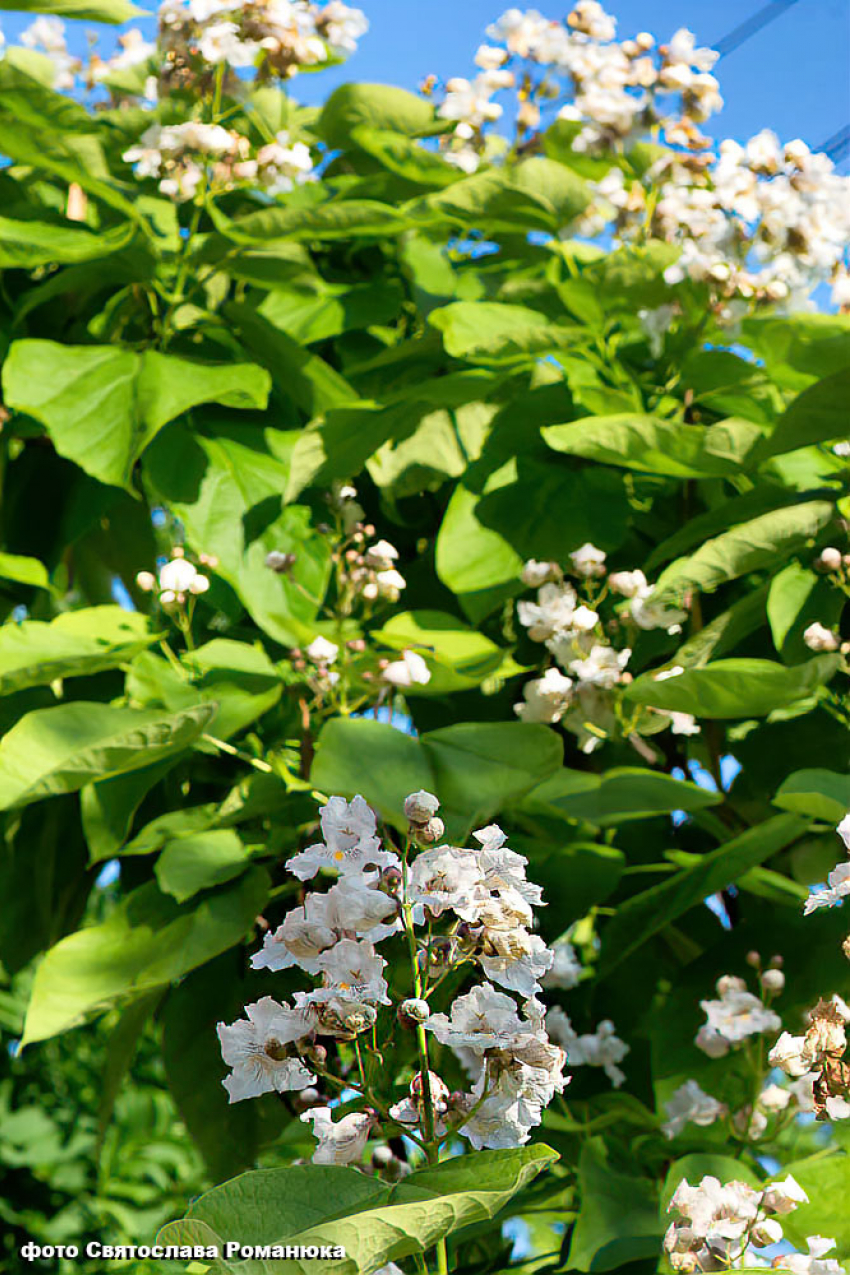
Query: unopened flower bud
x=390, y=880
x=280, y=563
x=306, y=1098
x=146, y=581
x=776, y=962
x=414, y=1010
x=773, y=980
x=421, y=806
x=428, y=834
x=316, y=1054
x=819, y=638
x=768, y=1231
x=828, y=559
x=753, y=958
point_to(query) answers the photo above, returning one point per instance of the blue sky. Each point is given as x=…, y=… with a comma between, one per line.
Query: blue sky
x=792, y=76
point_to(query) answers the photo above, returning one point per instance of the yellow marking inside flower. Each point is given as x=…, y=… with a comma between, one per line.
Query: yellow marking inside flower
x=339, y=855
x=345, y=987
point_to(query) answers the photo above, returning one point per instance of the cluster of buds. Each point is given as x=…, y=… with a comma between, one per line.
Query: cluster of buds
x=738, y=1013
x=183, y=156
x=425, y=827
x=758, y=223
x=832, y=562
x=381, y=893
x=717, y=1225
x=178, y=579
x=732, y=1020
x=572, y=629
x=276, y=38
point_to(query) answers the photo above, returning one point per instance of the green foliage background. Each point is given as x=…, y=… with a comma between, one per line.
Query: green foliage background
x=225, y=364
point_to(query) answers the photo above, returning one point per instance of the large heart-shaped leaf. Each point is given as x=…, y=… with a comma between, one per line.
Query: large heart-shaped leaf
x=102, y=405
x=373, y=1221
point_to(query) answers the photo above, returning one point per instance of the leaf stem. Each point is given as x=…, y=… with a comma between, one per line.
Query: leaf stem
x=224, y=747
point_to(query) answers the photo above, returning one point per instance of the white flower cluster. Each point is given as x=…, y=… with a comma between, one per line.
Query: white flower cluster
x=134, y=50
x=735, y=1015
x=47, y=36
x=818, y=1056
x=602, y=1048
x=773, y=223
x=838, y=881
x=178, y=579
x=719, y=1224
x=369, y=566
x=277, y=37
x=182, y=156
x=815, y=1061
x=332, y=936
x=574, y=633
x=762, y=221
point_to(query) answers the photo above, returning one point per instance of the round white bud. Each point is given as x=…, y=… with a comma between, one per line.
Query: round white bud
x=421, y=806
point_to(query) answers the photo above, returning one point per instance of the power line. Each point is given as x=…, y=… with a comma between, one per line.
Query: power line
x=837, y=146
x=751, y=26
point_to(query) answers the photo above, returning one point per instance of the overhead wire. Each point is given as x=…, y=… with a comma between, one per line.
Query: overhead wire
x=837, y=147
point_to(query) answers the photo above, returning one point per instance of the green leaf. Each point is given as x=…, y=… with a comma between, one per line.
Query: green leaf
x=227, y=488
x=826, y=1180
x=404, y=157
x=481, y=768
x=24, y=571
x=103, y=405
x=644, y=915
x=55, y=750
x=524, y=509
x=147, y=942
x=120, y=1051
x=197, y=863
x=761, y=542
x=26, y=244
x=818, y=415
x=617, y=796
x=733, y=688
x=309, y=380
x=43, y=880
x=115, y=11
x=458, y=656
x=538, y=194
x=374, y=106
x=653, y=446
x=242, y=687
x=618, y=1222
x=822, y=794
x=491, y=333
x=370, y=758
x=107, y=807
x=797, y=598
x=800, y=348
x=338, y=219
x=725, y=631
x=374, y=1222
x=75, y=644
x=476, y=768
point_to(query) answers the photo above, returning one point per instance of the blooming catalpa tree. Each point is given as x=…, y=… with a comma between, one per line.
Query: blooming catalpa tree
x=424, y=662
